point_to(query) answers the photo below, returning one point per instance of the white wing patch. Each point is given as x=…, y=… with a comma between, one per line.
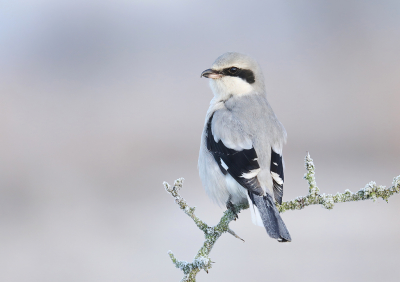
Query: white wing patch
x=277, y=178
x=275, y=164
x=251, y=174
x=224, y=164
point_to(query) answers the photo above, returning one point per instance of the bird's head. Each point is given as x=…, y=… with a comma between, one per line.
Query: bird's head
x=235, y=74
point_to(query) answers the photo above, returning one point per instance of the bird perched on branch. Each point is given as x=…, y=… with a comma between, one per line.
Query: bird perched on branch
x=241, y=146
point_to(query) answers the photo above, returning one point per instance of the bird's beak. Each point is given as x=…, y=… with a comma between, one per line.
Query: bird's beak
x=211, y=74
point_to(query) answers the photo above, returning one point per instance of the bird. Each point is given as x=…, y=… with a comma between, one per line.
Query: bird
x=240, y=159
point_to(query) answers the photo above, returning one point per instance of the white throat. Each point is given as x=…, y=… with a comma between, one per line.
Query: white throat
x=228, y=85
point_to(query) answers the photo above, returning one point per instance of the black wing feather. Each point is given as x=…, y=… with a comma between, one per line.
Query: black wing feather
x=238, y=162
x=277, y=167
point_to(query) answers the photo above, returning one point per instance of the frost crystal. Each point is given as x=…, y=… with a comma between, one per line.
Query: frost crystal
x=328, y=201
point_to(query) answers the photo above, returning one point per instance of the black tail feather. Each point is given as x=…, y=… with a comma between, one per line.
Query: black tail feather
x=271, y=218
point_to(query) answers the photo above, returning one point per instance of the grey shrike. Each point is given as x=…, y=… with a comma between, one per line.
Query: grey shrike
x=241, y=146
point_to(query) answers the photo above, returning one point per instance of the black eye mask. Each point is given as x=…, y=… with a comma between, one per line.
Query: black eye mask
x=244, y=74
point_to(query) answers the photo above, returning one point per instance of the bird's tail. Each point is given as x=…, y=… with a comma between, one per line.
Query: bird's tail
x=264, y=212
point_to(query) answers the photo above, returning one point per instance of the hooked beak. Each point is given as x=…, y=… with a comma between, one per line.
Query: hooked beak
x=211, y=74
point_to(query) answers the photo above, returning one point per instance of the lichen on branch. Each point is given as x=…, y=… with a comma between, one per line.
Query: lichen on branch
x=211, y=233
x=371, y=191
x=202, y=261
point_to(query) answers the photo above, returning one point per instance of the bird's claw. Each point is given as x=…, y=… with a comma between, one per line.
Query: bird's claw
x=231, y=207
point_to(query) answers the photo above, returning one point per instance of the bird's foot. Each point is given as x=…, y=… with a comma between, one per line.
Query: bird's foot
x=232, y=208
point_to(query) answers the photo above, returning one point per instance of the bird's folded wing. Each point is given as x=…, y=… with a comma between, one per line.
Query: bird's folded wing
x=234, y=153
x=277, y=174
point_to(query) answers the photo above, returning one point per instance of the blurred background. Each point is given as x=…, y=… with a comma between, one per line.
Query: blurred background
x=102, y=101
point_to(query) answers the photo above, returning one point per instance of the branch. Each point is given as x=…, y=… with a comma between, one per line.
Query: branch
x=212, y=233
x=371, y=191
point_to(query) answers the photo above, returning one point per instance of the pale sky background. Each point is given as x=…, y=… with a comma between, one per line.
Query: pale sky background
x=102, y=101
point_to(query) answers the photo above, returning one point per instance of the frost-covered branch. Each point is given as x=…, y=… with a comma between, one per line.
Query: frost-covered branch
x=371, y=191
x=212, y=233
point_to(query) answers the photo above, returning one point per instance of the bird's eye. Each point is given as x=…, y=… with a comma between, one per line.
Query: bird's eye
x=233, y=70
